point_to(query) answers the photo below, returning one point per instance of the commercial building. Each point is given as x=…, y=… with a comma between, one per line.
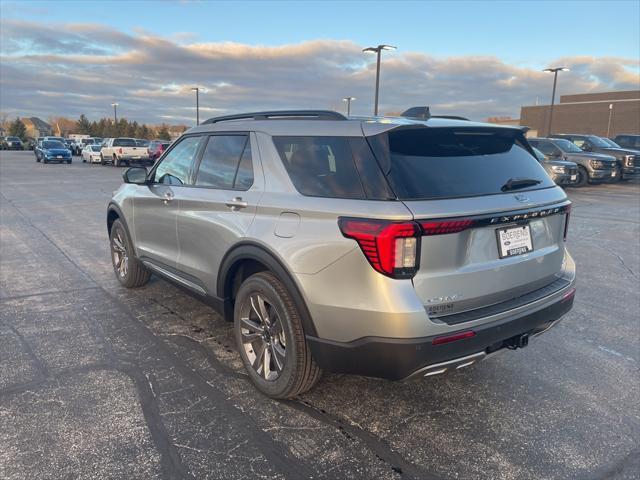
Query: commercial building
x=605, y=114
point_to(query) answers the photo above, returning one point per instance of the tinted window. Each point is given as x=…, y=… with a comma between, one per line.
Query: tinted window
x=547, y=148
x=174, y=168
x=320, y=166
x=597, y=141
x=426, y=163
x=124, y=142
x=52, y=144
x=142, y=143
x=567, y=146
x=244, y=177
x=219, y=164
x=95, y=148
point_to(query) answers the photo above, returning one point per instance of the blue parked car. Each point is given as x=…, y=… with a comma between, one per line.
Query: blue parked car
x=52, y=151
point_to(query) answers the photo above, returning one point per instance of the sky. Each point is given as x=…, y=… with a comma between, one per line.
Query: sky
x=470, y=58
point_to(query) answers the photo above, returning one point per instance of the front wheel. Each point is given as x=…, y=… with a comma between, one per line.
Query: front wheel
x=271, y=340
x=583, y=176
x=130, y=272
x=102, y=162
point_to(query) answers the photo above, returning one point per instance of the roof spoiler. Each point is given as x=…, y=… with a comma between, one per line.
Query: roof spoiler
x=423, y=113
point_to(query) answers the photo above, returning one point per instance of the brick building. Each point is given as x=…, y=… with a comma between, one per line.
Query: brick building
x=604, y=114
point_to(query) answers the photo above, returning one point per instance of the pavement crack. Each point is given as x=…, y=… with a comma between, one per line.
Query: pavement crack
x=380, y=448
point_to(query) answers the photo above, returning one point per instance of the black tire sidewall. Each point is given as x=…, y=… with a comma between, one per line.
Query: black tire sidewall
x=118, y=226
x=280, y=387
x=583, y=177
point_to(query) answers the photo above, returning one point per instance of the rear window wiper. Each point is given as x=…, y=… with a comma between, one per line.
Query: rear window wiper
x=515, y=183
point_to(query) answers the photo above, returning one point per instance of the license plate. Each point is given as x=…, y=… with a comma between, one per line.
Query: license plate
x=58, y=156
x=613, y=174
x=574, y=177
x=514, y=241
x=136, y=157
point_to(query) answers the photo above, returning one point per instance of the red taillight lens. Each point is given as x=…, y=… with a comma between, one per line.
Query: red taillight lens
x=391, y=248
x=120, y=151
x=434, y=227
x=566, y=222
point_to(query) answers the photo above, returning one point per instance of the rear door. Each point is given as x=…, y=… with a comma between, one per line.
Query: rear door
x=485, y=241
x=156, y=205
x=218, y=208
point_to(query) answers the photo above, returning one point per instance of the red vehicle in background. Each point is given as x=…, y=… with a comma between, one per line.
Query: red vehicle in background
x=156, y=148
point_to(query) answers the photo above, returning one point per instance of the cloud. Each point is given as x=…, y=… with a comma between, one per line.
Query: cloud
x=50, y=69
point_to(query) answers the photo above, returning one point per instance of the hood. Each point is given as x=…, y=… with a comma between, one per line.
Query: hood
x=559, y=163
x=619, y=151
x=590, y=156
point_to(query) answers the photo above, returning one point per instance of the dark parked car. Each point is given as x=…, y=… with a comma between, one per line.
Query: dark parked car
x=561, y=172
x=628, y=141
x=628, y=161
x=12, y=143
x=592, y=167
x=155, y=149
x=52, y=151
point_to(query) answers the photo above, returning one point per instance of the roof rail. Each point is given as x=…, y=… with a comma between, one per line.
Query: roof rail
x=281, y=114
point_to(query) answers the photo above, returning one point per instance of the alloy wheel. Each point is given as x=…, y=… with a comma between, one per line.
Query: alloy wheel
x=263, y=337
x=120, y=254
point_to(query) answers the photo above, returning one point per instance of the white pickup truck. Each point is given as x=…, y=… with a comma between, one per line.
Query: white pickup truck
x=118, y=151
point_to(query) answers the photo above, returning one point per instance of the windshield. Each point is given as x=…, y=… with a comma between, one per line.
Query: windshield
x=598, y=142
x=611, y=143
x=567, y=146
x=95, y=148
x=428, y=163
x=13, y=139
x=52, y=144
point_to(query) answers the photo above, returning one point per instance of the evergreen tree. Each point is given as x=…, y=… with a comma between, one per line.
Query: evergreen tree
x=163, y=133
x=83, y=125
x=143, y=132
x=17, y=129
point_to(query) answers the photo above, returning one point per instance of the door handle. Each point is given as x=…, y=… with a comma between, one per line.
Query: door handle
x=167, y=197
x=236, y=204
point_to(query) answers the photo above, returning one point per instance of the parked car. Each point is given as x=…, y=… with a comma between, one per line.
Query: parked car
x=156, y=148
x=592, y=167
x=52, y=151
x=628, y=141
x=91, y=154
x=628, y=163
x=12, y=143
x=118, y=151
x=560, y=171
x=610, y=142
x=385, y=247
x=80, y=144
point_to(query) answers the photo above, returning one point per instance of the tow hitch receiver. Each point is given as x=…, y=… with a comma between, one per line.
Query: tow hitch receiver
x=519, y=341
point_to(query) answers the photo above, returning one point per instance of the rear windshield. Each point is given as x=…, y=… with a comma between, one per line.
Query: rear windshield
x=124, y=142
x=432, y=163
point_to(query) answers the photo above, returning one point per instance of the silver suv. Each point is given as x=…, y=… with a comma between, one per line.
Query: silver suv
x=386, y=247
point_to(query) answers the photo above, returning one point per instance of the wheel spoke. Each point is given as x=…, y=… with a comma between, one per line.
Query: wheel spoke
x=266, y=362
x=264, y=314
x=251, y=326
x=278, y=355
x=250, y=337
x=258, y=361
x=255, y=308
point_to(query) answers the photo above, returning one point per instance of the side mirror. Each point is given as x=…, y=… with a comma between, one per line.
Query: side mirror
x=135, y=175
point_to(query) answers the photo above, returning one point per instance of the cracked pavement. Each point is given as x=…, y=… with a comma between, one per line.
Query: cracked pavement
x=97, y=381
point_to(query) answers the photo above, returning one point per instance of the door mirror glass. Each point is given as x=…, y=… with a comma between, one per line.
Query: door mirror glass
x=136, y=175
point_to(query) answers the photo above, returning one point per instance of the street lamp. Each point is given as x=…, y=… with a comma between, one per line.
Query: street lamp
x=197, y=90
x=348, y=100
x=553, y=94
x=115, y=113
x=377, y=50
x=609, y=122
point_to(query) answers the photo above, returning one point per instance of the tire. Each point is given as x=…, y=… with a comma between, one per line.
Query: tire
x=583, y=176
x=102, y=160
x=294, y=370
x=44, y=160
x=116, y=162
x=128, y=269
x=37, y=159
x=68, y=162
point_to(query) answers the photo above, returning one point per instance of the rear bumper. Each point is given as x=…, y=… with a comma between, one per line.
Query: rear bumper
x=397, y=359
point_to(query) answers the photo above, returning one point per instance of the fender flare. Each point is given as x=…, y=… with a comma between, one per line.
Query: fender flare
x=113, y=207
x=257, y=252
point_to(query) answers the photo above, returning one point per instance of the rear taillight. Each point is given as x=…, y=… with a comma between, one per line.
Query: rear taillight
x=454, y=337
x=392, y=248
x=566, y=222
x=120, y=151
x=435, y=227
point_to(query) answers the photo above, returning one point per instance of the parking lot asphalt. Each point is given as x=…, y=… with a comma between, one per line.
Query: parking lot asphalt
x=97, y=381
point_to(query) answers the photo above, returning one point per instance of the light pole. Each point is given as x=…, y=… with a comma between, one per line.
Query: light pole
x=197, y=90
x=348, y=100
x=609, y=122
x=378, y=50
x=553, y=94
x=115, y=113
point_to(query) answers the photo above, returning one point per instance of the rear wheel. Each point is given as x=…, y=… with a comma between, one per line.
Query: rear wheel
x=129, y=270
x=116, y=162
x=583, y=176
x=271, y=340
x=102, y=160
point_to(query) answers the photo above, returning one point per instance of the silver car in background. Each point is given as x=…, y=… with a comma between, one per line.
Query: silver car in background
x=388, y=247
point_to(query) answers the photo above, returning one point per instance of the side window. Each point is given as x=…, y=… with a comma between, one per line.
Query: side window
x=320, y=166
x=226, y=163
x=548, y=148
x=578, y=142
x=174, y=168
